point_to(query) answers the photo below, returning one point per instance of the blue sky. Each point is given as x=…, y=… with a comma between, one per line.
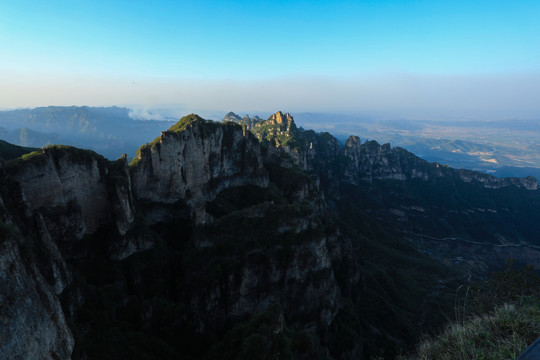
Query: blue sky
x=350, y=55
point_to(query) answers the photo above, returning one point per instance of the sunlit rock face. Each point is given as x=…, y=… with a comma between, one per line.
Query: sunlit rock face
x=492, y=182
x=196, y=163
x=369, y=161
x=67, y=210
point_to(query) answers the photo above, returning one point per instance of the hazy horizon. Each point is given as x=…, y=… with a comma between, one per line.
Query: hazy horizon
x=411, y=59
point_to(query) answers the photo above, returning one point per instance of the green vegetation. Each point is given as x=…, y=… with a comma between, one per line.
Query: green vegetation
x=497, y=319
x=499, y=335
x=81, y=156
x=176, y=299
x=9, y=151
x=279, y=135
x=205, y=126
x=135, y=161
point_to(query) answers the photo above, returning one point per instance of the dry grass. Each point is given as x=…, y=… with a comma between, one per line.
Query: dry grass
x=502, y=334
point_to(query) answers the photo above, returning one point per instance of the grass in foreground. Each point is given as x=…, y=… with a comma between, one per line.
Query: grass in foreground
x=502, y=334
x=499, y=321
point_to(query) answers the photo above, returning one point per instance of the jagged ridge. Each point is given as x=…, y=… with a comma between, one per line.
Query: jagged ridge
x=213, y=259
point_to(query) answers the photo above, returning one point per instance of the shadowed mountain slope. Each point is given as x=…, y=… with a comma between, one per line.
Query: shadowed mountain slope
x=222, y=242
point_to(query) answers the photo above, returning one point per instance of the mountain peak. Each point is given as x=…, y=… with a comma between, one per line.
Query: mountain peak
x=185, y=121
x=248, y=122
x=280, y=118
x=353, y=141
x=230, y=116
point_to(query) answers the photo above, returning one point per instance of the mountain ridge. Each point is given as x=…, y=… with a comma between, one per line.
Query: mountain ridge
x=215, y=228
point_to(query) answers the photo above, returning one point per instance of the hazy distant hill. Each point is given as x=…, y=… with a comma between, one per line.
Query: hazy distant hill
x=502, y=148
x=221, y=243
x=9, y=151
x=107, y=130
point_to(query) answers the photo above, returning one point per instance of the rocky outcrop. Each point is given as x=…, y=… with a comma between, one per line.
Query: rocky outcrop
x=284, y=122
x=70, y=188
x=56, y=196
x=232, y=117
x=220, y=258
x=32, y=323
x=370, y=161
x=195, y=160
x=63, y=193
x=298, y=276
x=58, y=178
x=492, y=182
x=246, y=121
x=288, y=146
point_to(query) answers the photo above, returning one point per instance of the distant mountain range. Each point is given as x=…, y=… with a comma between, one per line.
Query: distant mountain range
x=107, y=130
x=222, y=242
x=501, y=148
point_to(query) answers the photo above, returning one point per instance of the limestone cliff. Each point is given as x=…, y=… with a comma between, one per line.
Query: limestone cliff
x=357, y=161
x=288, y=145
x=248, y=122
x=178, y=254
x=52, y=199
x=32, y=323
x=66, y=178
x=194, y=160
x=369, y=161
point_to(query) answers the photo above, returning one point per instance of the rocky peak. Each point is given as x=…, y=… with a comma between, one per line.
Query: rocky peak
x=230, y=116
x=285, y=121
x=186, y=121
x=370, y=160
x=353, y=142
x=193, y=161
x=246, y=121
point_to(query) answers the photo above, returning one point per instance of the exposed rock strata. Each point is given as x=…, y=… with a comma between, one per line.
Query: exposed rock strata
x=32, y=323
x=195, y=164
x=357, y=161
x=62, y=194
x=370, y=161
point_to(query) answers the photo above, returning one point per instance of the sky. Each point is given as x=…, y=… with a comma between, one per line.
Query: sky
x=410, y=58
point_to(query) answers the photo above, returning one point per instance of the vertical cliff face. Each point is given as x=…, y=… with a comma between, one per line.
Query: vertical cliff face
x=209, y=227
x=63, y=193
x=282, y=257
x=195, y=160
x=370, y=161
x=58, y=178
x=52, y=198
x=75, y=191
x=287, y=145
x=32, y=323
